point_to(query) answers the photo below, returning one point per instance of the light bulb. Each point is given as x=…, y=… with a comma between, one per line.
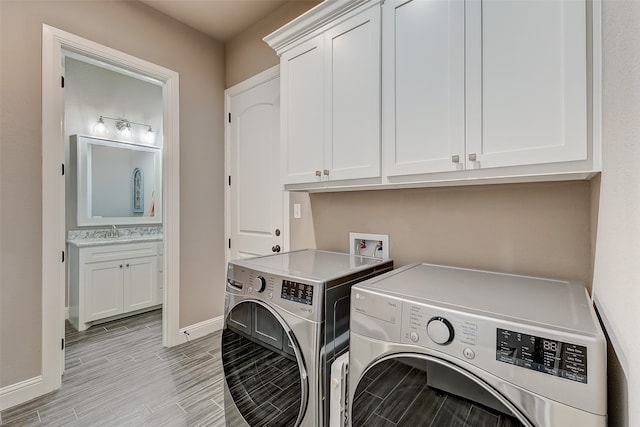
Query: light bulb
x=99, y=128
x=126, y=131
x=149, y=136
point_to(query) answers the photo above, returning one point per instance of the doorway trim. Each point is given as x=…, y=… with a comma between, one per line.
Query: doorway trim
x=54, y=41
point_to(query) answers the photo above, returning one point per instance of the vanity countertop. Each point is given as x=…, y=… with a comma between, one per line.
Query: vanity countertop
x=101, y=237
x=100, y=241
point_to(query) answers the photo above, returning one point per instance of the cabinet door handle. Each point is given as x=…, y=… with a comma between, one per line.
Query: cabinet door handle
x=326, y=172
x=472, y=157
x=455, y=158
x=120, y=265
x=318, y=173
x=127, y=265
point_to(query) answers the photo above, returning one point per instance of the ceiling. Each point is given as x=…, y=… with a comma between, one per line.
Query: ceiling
x=220, y=19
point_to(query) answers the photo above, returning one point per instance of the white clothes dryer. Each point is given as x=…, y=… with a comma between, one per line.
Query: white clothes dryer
x=435, y=345
x=286, y=320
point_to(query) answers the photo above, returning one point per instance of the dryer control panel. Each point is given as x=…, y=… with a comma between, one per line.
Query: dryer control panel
x=296, y=296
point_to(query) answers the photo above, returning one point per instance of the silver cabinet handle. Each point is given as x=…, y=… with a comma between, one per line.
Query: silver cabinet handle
x=455, y=158
x=472, y=157
x=318, y=173
x=326, y=172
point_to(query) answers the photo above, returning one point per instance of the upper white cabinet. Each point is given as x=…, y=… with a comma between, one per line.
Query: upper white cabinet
x=330, y=93
x=474, y=91
x=478, y=86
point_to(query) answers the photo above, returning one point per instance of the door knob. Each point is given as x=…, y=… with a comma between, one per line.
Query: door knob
x=277, y=232
x=275, y=248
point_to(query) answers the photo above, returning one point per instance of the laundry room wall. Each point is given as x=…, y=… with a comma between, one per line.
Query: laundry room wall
x=136, y=29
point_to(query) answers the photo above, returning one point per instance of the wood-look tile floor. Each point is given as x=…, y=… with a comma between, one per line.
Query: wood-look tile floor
x=119, y=374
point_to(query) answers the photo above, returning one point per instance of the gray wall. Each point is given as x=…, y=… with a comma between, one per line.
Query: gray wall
x=135, y=29
x=616, y=279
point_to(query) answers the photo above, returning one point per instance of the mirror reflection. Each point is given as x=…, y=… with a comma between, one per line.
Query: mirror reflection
x=118, y=182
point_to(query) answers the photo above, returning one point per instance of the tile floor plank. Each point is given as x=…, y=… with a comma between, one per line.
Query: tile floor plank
x=119, y=373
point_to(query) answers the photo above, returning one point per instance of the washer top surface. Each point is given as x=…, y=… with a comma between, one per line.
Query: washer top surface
x=311, y=264
x=549, y=302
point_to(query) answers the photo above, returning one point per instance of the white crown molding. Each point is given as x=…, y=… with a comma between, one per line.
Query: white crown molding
x=311, y=21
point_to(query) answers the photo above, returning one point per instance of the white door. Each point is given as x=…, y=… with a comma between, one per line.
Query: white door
x=255, y=196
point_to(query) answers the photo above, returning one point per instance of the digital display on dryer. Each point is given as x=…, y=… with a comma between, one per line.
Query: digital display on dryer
x=551, y=357
x=298, y=292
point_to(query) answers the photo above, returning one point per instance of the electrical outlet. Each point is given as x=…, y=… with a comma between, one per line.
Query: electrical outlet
x=371, y=245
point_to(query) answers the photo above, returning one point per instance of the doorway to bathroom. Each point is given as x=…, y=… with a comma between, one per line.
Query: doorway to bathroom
x=110, y=175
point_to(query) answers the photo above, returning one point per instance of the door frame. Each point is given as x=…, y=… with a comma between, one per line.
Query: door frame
x=251, y=82
x=54, y=41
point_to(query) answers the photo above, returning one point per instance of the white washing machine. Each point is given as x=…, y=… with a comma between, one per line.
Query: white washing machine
x=434, y=345
x=286, y=320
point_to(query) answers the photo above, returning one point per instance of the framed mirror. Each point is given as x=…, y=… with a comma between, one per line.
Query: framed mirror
x=118, y=183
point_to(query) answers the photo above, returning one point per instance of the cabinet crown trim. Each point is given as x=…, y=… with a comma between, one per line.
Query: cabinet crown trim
x=311, y=21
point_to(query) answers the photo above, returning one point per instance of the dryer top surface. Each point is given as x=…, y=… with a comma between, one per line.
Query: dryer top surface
x=321, y=266
x=555, y=303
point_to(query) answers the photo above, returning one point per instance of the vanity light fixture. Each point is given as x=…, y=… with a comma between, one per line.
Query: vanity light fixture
x=124, y=127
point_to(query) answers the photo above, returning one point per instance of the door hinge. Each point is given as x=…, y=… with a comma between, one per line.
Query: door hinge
x=62, y=168
x=229, y=180
x=62, y=256
x=62, y=347
x=229, y=243
x=229, y=117
x=61, y=81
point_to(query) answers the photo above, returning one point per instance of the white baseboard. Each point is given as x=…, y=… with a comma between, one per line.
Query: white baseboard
x=21, y=392
x=199, y=330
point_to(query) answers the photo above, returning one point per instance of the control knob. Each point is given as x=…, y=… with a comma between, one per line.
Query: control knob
x=260, y=283
x=440, y=330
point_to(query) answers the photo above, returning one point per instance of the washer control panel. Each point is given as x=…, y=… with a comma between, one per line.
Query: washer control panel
x=296, y=296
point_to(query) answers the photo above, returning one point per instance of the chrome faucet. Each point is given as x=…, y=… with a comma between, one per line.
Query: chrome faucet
x=113, y=232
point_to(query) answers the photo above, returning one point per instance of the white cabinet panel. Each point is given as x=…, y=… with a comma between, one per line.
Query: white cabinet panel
x=111, y=280
x=330, y=93
x=103, y=286
x=352, y=149
x=423, y=100
x=527, y=82
x=302, y=111
x=140, y=283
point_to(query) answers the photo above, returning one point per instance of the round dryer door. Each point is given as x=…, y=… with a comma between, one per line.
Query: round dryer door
x=264, y=374
x=419, y=390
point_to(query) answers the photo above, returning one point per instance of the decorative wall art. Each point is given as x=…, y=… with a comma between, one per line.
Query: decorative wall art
x=137, y=187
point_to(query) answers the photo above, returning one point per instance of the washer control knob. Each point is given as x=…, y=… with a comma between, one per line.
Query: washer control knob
x=260, y=283
x=440, y=330
x=414, y=336
x=270, y=295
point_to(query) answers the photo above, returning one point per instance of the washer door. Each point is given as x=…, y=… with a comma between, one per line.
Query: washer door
x=413, y=390
x=263, y=368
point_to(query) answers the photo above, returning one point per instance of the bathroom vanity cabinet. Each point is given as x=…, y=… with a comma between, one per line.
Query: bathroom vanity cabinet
x=107, y=280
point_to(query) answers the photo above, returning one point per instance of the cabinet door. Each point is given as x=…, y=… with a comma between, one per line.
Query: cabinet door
x=526, y=82
x=103, y=289
x=302, y=120
x=140, y=283
x=423, y=86
x=352, y=105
